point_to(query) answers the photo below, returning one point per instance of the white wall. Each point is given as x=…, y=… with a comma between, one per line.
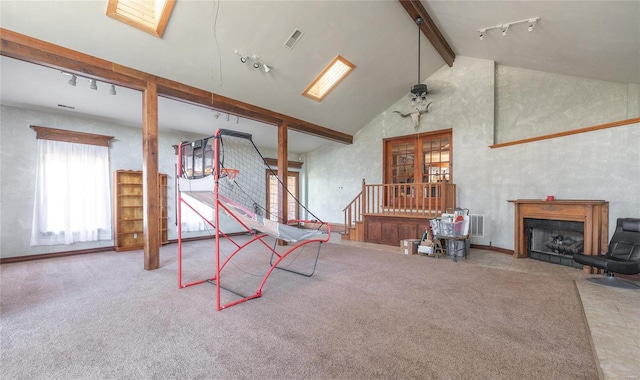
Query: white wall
x=18, y=166
x=596, y=165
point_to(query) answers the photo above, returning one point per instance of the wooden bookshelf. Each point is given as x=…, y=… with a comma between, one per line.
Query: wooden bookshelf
x=128, y=210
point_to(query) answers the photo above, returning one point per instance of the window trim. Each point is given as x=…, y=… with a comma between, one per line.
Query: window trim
x=46, y=133
x=160, y=22
x=333, y=85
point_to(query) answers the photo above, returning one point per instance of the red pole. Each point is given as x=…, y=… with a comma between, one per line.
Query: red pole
x=216, y=177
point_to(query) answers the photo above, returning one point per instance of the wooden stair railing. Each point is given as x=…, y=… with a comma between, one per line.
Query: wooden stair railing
x=422, y=200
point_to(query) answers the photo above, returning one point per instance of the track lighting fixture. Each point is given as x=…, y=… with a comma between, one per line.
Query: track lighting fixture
x=253, y=58
x=93, y=83
x=227, y=117
x=531, y=23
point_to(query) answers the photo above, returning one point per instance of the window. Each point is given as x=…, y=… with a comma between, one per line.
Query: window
x=150, y=16
x=333, y=74
x=423, y=158
x=72, y=198
x=293, y=182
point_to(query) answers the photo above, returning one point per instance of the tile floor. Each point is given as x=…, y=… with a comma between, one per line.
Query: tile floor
x=613, y=314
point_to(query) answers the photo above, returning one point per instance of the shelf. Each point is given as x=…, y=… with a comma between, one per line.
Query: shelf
x=128, y=209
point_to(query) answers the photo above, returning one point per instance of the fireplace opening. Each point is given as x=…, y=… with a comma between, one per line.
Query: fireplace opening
x=555, y=241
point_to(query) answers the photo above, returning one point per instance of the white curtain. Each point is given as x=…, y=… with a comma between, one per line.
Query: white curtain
x=190, y=220
x=72, y=199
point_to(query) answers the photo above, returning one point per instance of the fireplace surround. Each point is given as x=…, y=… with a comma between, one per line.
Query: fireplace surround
x=592, y=214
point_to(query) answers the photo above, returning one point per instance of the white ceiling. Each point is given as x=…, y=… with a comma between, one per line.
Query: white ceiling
x=591, y=39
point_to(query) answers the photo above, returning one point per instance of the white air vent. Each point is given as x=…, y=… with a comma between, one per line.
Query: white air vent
x=293, y=39
x=477, y=225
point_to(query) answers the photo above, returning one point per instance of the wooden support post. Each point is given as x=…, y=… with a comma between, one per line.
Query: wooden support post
x=151, y=207
x=283, y=171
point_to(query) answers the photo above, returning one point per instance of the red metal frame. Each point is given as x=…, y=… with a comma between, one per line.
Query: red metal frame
x=257, y=237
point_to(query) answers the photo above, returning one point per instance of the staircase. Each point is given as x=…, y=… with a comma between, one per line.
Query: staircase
x=410, y=200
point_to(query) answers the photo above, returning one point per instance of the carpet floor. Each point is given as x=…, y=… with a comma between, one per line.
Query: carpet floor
x=363, y=315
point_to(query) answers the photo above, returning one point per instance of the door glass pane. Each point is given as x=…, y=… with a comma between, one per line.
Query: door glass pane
x=436, y=160
x=402, y=162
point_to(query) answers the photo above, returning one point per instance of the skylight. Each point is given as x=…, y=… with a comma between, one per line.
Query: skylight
x=150, y=16
x=329, y=78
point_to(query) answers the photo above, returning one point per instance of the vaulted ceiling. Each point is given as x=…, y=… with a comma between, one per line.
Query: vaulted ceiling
x=598, y=40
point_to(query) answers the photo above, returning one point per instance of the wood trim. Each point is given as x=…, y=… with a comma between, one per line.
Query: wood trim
x=29, y=49
x=150, y=173
x=291, y=164
x=42, y=256
x=415, y=9
x=493, y=248
x=320, y=77
x=39, y=52
x=45, y=133
x=569, y=133
x=283, y=171
x=161, y=24
x=185, y=93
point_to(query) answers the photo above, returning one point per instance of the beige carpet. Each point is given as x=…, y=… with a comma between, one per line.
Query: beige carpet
x=363, y=315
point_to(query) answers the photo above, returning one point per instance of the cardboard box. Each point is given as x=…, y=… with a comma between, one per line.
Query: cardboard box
x=409, y=246
x=426, y=247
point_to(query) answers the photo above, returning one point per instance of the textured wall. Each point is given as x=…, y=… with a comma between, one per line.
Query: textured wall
x=533, y=103
x=18, y=166
x=596, y=165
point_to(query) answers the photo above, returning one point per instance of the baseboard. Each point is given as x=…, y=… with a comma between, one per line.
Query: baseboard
x=493, y=248
x=42, y=256
x=19, y=259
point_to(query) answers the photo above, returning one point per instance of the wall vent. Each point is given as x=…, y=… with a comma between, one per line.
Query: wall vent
x=293, y=39
x=477, y=225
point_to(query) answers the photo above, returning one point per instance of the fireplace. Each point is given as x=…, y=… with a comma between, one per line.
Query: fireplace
x=593, y=215
x=555, y=241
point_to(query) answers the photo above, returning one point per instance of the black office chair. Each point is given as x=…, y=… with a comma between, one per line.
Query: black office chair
x=622, y=257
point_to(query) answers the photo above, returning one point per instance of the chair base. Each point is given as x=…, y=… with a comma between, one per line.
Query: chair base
x=614, y=282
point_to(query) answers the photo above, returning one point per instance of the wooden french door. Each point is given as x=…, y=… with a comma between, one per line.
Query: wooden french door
x=293, y=185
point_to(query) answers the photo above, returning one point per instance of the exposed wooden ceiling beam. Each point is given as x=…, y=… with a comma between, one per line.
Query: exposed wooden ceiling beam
x=43, y=53
x=415, y=9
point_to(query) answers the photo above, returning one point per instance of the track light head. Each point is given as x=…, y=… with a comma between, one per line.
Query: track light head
x=481, y=33
x=94, y=85
x=72, y=81
x=256, y=65
x=532, y=23
x=505, y=29
x=113, y=90
x=266, y=68
x=217, y=115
